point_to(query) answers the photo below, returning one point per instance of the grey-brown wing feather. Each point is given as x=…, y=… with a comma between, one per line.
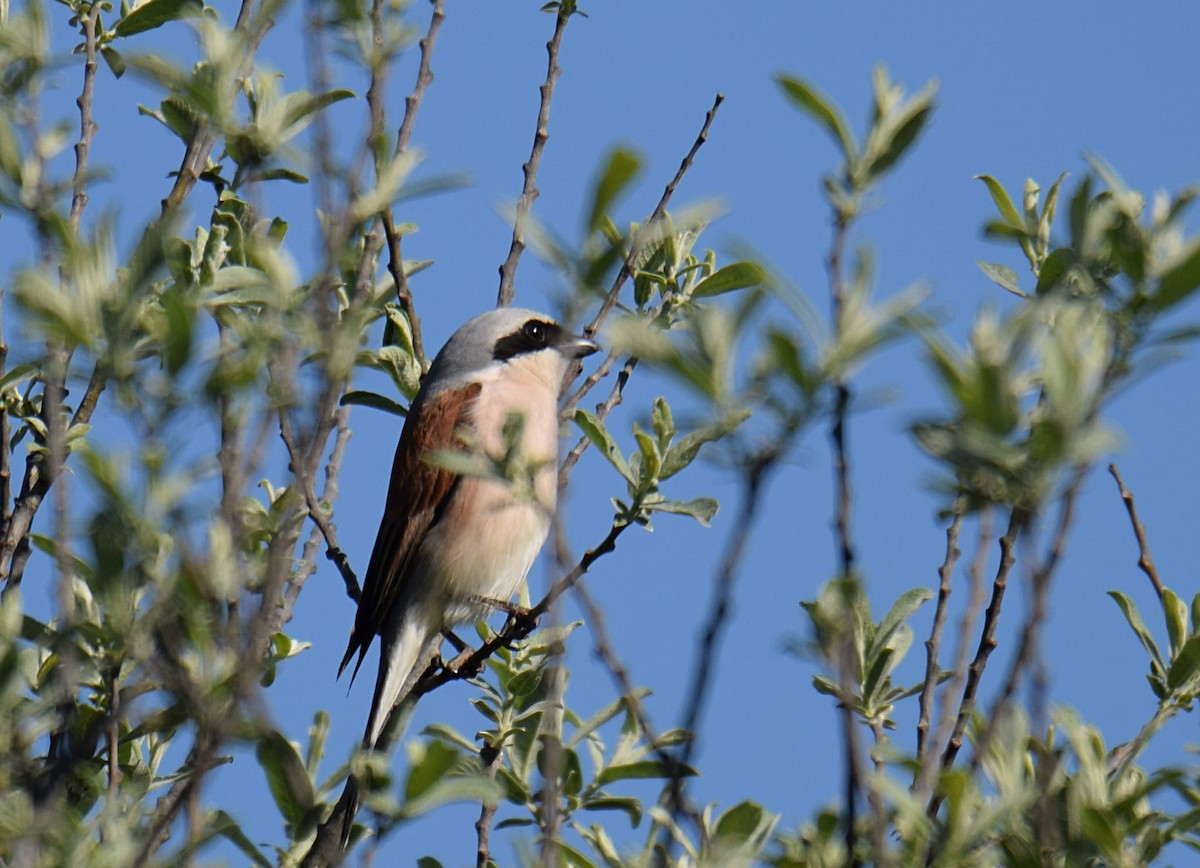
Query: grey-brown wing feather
x=416, y=493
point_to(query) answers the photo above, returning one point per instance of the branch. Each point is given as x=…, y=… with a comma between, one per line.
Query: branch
x=1145, y=560
x=934, y=643
x=1040, y=583
x=489, y=756
x=757, y=469
x=529, y=190
x=195, y=157
x=411, y=103
x=987, y=644
x=635, y=248
x=923, y=783
x=87, y=126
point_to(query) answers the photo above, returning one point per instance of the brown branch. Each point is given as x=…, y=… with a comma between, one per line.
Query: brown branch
x=646, y=229
x=529, y=190
x=1145, y=559
x=1040, y=578
x=929, y=761
x=411, y=103
x=987, y=644
x=489, y=756
x=605, y=650
x=87, y=126
x=934, y=643
x=254, y=28
x=602, y=410
x=757, y=468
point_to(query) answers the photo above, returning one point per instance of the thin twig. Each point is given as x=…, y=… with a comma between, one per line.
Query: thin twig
x=252, y=27
x=1145, y=559
x=602, y=410
x=489, y=756
x=605, y=650
x=87, y=126
x=649, y=226
x=933, y=644
x=756, y=471
x=1040, y=578
x=970, y=616
x=529, y=190
x=987, y=644
x=411, y=103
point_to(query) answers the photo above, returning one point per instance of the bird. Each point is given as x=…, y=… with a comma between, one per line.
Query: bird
x=451, y=548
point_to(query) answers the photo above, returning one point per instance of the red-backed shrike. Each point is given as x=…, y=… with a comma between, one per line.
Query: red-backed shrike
x=448, y=544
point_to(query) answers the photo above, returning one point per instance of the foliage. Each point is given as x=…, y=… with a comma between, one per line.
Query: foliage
x=174, y=574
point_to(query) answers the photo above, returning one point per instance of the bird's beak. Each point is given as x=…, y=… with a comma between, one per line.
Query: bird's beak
x=577, y=346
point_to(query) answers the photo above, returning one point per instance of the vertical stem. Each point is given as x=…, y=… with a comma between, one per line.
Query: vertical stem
x=529, y=190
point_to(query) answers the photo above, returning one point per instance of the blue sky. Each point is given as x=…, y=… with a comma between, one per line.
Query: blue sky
x=1025, y=90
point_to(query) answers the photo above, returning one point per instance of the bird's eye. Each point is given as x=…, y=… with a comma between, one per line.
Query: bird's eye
x=536, y=333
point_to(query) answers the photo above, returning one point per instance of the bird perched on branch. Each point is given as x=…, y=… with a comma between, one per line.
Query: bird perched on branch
x=452, y=546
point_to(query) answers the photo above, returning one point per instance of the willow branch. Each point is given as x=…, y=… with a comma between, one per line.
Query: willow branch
x=650, y=225
x=987, y=644
x=1145, y=559
x=1040, y=578
x=756, y=471
x=87, y=126
x=411, y=104
x=529, y=190
x=934, y=643
x=929, y=760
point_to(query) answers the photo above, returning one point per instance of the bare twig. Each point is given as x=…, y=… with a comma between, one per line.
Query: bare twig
x=933, y=644
x=489, y=756
x=987, y=644
x=87, y=126
x=602, y=410
x=411, y=103
x=970, y=616
x=252, y=25
x=757, y=468
x=529, y=190
x=1145, y=559
x=1040, y=578
x=648, y=227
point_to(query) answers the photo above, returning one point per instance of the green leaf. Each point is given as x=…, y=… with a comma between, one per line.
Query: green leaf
x=1180, y=280
x=10, y=151
x=739, y=824
x=116, y=63
x=735, y=275
x=700, y=508
x=437, y=759
x=1003, y=203
x=621, y=168
x=631, y=806
x=287, y=778
x=371, y=399
x=821, y=109
x=1054, y=267
x=1175, y=614
x=1130, y=611
x=685, y=450
x=156, y=13
x=224, y=825
x=1002, y=275
x=640, y=770
x=905, y=134
x=1185, y=665
x=904, y=607
x=651, y=460
x=598, y=434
